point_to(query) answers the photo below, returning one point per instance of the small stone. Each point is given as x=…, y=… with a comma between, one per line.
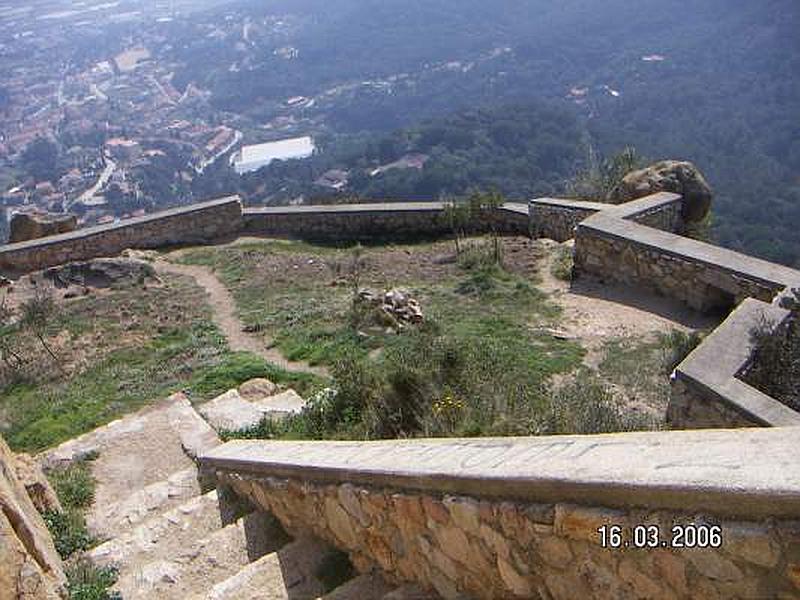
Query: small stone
x=711, y=564
x=581, y=523
x=340, y=524
x=464, y=512
x=435, y=510
x=643, y=586
x=495, y=541
x=554, y=551
x=257, y=389
x=672, y=569
x=515, y=582
x=349, y=501
x=454, y=543
x=753, y=543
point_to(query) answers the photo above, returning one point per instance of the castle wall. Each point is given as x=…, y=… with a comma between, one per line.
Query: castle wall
x=520, y=517
x=195, y=224
x=557, y=219
x=623, y=245
x=346, y=222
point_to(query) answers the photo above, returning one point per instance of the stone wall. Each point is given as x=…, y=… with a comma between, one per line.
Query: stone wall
x=533, y=532
x=706, y=390
x=557, y=219
x=344, y=222
x=199, y=223
x=659, y=211
x=612, y=246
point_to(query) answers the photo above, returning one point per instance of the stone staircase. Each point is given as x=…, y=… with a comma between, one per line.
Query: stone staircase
x=172, y=539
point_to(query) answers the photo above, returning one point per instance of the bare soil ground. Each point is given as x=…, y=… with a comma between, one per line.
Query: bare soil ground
x=596, y=312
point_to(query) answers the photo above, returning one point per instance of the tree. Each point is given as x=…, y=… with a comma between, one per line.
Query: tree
x=40, y=159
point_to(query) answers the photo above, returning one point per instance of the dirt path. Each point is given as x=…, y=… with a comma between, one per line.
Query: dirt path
x=596, y=312
x=223, y=309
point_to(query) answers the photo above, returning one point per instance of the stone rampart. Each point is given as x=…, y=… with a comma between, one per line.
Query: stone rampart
x=557, y=219
x=519, y=517
x=344, y=222
x=613, y=246
x=198, y=223
x=706, y=389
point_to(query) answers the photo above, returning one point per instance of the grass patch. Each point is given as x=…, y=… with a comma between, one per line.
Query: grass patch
x=74, y=486
x=642, y=367
x=47, y=414
x=235, y=368
x=88, y=582
x=485, y=366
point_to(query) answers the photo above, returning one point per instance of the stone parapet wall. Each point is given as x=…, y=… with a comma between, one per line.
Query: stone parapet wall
x=660, y=211
x=414, y=510
x=706, y=389
x=703, y=287
x=345, y=222
x=557, y=219
x=198, y=223
x=613, y=246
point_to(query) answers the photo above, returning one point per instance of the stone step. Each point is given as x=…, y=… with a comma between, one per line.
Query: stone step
x=135, y=452
x=363, y=587
x=163, y=536
x=232, y=412
x=289, y=574
x=200, y=564
x=117, y=518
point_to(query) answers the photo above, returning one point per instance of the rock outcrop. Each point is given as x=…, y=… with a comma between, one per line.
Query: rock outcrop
x=100, y=272
x=31, y=226
x=30, y=568
x=668, y=176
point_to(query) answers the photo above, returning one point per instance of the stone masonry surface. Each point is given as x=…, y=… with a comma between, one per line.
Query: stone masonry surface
x=198, y=223
x=519, y=517
x=557, y=219
x=371, y=221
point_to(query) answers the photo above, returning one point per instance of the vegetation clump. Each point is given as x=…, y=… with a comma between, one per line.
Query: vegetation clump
x=74, y=486
x=775, y=366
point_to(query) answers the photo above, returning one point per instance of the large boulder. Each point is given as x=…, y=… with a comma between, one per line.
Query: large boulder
x=678, y=177
x=31, y=226
x=30, y=568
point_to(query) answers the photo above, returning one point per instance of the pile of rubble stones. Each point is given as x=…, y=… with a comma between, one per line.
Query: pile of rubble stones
x=397, y=305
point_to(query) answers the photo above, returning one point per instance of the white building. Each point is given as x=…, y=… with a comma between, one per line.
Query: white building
x=252, y=158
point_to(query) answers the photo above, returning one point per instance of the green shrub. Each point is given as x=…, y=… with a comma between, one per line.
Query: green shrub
x=676, y=346
x=587, y=406
x=562, y=264
x=69, y=531
x=775, y=365
x=74, y=484
x=88, y=582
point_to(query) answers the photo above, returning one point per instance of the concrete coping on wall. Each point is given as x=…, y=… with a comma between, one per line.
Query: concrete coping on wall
x=641, y=206
x=610, y=224
x=573, y=204
x=101, y=229
x=747, y=473
x=714, y=366
x=373, y=207
x=347, y=208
